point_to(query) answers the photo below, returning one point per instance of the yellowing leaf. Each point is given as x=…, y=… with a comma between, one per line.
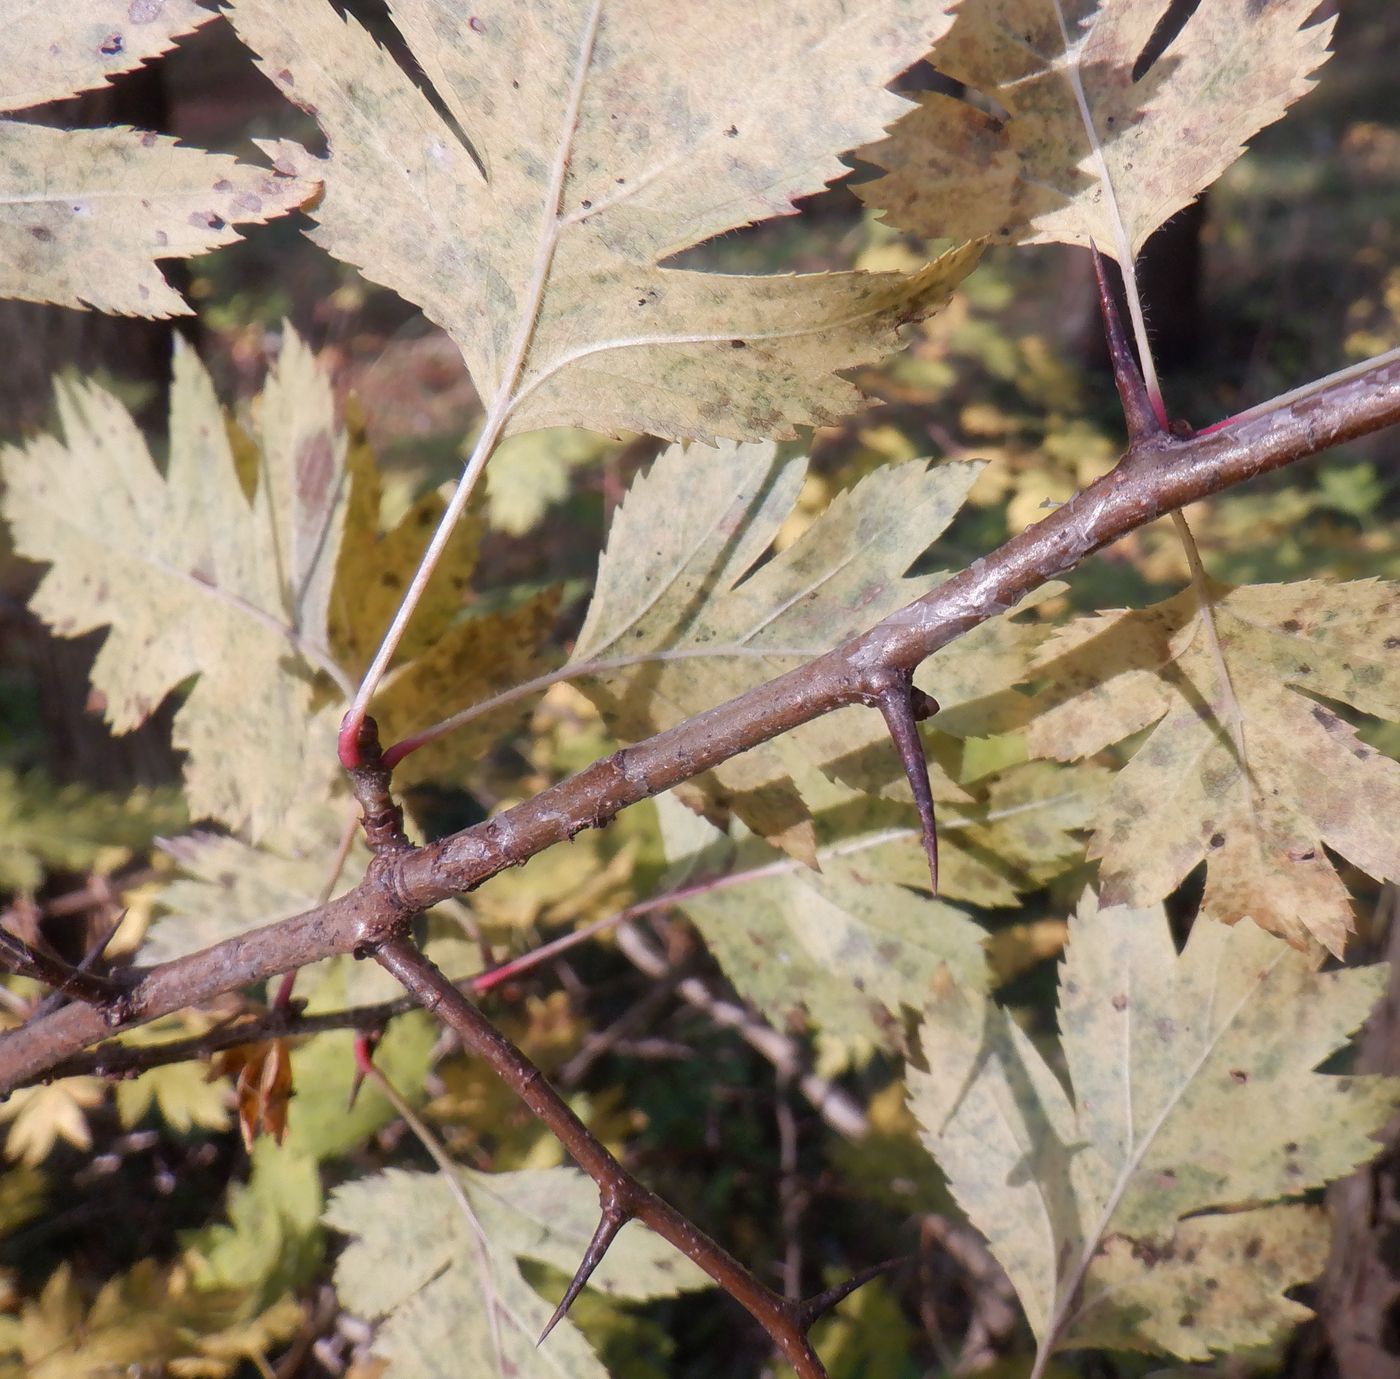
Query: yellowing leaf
x=1033, y=172
x=528, y=473
x=39, y=1117
x=273, y=1240
x=450, y=657
x=448, y=1285
x=149, y=1319
x=1192, y=1094
x=845, y=950
x=583, y=144
x=376, y=567
x=1306, y=780
x=44, y=826
x=191, y=578
x=85, y=213
x=683, y=617
x=54, y=51
x=471, y=661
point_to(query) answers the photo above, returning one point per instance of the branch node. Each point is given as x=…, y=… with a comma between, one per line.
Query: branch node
x=369, y=779
x=892, y=691
x=1143, y=423
x=117, y=1010
x=616, y=1215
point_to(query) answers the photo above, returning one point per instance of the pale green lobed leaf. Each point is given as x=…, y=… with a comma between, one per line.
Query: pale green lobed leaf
x=86, y=213
x=230, y=886
x=587, y=144
x=1193, y=1091
x=705, y=620
x=1003, y=1132
x=54, y=51
x=190, y=579
x=417, y=1262
x=845, y=950
x=955, y=170
x=1308, y=779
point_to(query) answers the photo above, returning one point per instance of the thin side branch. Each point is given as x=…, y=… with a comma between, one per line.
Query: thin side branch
x=622, y=1197
x=26, y=961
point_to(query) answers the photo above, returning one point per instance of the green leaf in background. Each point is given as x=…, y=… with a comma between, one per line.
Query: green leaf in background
x=273, y=1240
x=47, y=827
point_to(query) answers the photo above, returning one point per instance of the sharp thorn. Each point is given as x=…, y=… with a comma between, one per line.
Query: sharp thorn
x=613, y=1219
x=813, y=1309
x=924, y=705
x=1132, y=390
x=364, y=1046
x=902, y=705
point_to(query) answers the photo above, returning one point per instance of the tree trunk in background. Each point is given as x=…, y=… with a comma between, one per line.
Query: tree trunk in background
x=1357, y=1331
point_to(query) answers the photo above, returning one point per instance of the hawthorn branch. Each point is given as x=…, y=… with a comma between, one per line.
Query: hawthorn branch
x=1156, y=476
x=622, y=1198
x=24, y=960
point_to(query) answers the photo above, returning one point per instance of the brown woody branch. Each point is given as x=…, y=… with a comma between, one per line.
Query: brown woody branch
x=622, y=1198
x=1157, y=475
x=24, y=960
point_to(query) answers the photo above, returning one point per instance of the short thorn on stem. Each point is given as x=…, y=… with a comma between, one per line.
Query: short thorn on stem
x=365, y=1044
x=904, y=707
x=1140, y=414
x=615, y=1216
x=810, y=1311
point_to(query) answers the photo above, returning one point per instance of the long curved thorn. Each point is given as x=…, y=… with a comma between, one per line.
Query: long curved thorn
x=902, y=705
x=1127, y=375
x=614, y=1218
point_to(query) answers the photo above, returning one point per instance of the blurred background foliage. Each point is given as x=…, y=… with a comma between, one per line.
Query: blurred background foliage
x=134, y=1227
